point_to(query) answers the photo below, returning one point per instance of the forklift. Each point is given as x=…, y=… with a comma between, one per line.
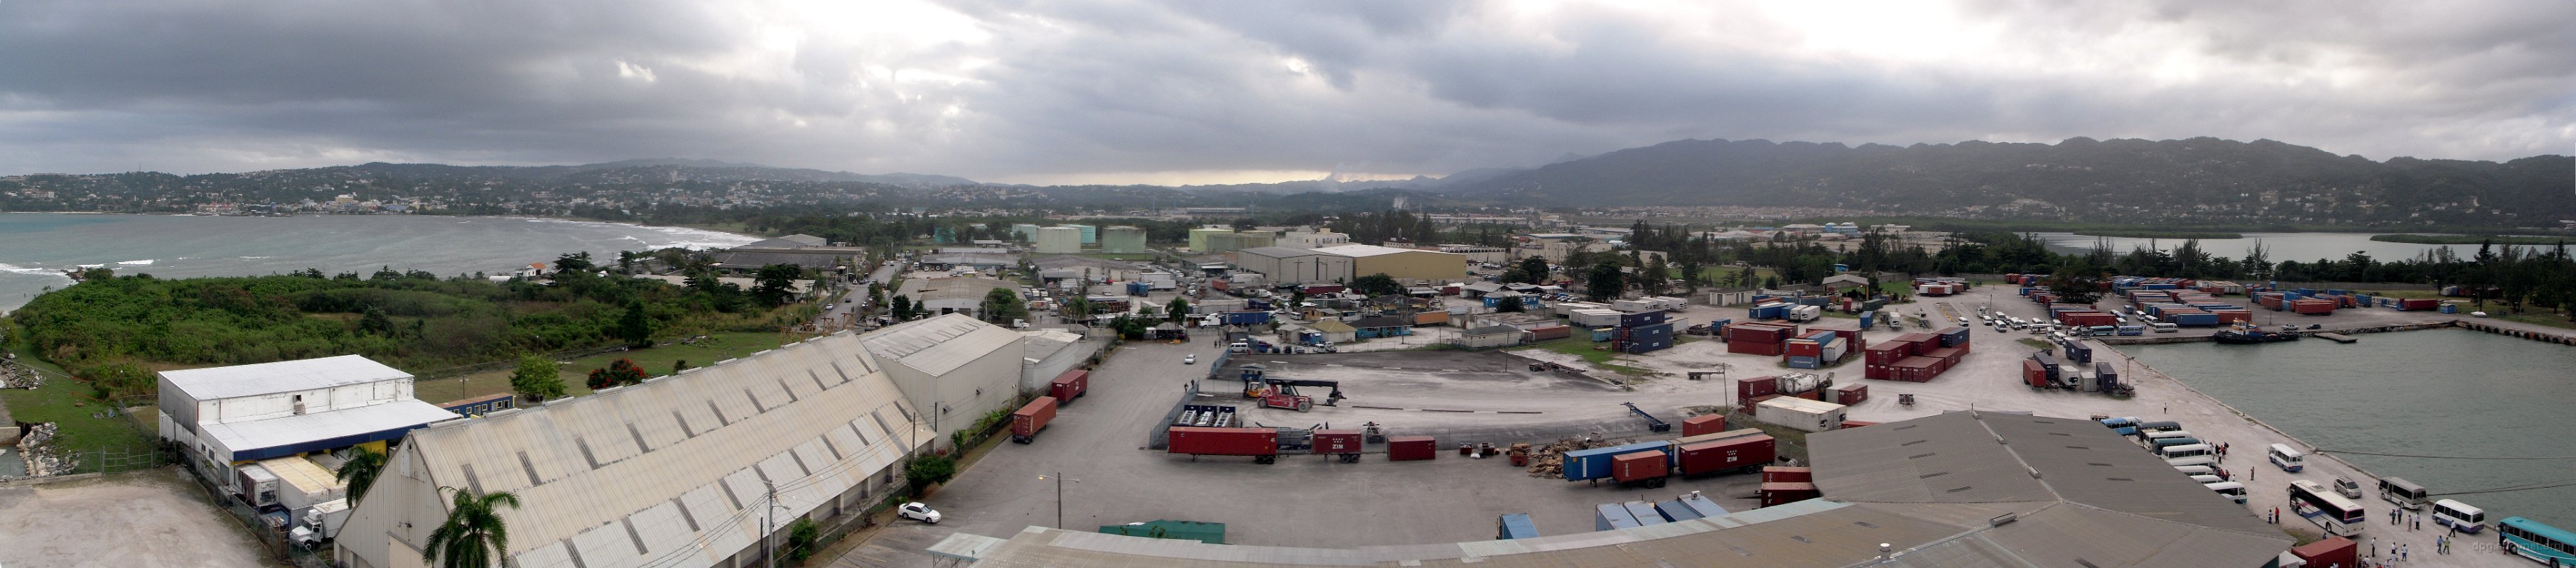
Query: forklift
x=1282, y=393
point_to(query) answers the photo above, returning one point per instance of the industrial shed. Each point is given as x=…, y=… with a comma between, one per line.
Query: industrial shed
x=226, y=415
x=1294, y=265
x=953, y=367
x=1490, y=336
x=1939, y=490
x=1403, y=264
x=681, y=471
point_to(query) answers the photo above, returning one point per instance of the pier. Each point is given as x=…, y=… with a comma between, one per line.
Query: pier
x=2337, y=337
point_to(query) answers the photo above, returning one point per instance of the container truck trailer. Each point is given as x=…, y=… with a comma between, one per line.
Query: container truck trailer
x=1030, y=418
x=1262, y=444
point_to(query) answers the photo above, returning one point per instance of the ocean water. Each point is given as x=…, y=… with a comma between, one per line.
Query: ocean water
x=36, y=247
x=2431, y=392
x=2302, y=247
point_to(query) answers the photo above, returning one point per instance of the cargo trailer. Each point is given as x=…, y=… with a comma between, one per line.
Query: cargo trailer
x=1030, y=418
x=1069, y=385
x=1786, y=474
x=1411, y=448
x=1262, y=444
x=1343, y=443
x=1611, y=516
x=1515, y=526
x=1801, y=414
x=1596, y=463
x=1703, y=424
x=1775, y=494
x=1643, y=468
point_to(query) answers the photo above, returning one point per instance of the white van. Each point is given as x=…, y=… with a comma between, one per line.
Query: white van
x=2148, y=439
x=2233, y=491
x=2196, y=470
x=2206, y=479
x=2203, y=461
x=2184, y=451
x=2287, y=457
x=2165, y=327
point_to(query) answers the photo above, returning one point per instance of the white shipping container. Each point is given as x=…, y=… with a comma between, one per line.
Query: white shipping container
x=1632, y=306
x=1835, y=349
x=1594, y=318
x=1801, y=414
x=327, y=517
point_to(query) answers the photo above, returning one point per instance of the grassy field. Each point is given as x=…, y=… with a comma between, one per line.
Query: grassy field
x=1583, y=347
x=2538, y=318
x=658, y=360
x=68, y=403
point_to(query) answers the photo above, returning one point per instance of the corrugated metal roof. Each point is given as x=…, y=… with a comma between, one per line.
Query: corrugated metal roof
x=282, y=376
x=1283, y=252
x=941, y=344
x=1360, y=251
x=301, y=428
x=675, y=472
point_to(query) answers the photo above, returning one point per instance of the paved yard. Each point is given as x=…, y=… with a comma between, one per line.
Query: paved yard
x=146, y=519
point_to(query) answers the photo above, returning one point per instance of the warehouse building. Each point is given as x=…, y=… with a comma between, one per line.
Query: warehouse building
x=1294, y=265
x=1938, y=491
x=682, y=471
x=1404, y=264
x=952, y=367
x=1313, y=239
x=955, y=295
x=228, y=416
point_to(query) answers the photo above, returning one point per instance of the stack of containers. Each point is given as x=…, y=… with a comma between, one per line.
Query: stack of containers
x=2313, y=306
x=1955, y=338
x=1758, y=338
x=1882, y=359
x=1770, y=310
x=1748, y=389
x=2417, y=304
x=1811, y=350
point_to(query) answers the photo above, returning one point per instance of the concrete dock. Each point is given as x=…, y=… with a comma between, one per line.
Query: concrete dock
x=2337, y=337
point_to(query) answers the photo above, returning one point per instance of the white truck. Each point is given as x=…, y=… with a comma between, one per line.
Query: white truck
x=1806, y=313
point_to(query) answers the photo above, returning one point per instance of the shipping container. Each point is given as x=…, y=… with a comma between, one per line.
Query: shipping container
x=1850, y=394
x=1647, y=467
x=2033, y=374
x=1954, y=336
x=1674, y=511
x=1593, y=464
x=1069, y=385
x=1635, y=319
x=1717, y=456
x=1801, y=414
x=1752, y=348
x=1775, y=494
x=1704, y=424
x=1786, y=474
x=1345, y=443
x=1411, y=448
x=1030, y=418
x=1260, y=443
x=1644, y=513
x=1551, y=332
x=1889, y=352
x=1515, y=526
x=1749, y=387
x=2333, y=551
x=1609, y=516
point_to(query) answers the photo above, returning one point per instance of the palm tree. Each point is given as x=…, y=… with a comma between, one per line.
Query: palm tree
x=473, y=534
x=360, y=472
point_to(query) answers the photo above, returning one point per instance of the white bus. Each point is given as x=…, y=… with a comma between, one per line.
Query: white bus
x=2148, y=439
x=2183, y=451
x=2404, y=493
x=2288, y=458
x=2196, y=470
x=2206, y=479
x=2203, y=461
x=2457, y=514
x=2337, y=515
x=2233, y=491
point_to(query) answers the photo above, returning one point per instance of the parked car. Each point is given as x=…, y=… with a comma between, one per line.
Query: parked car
x=1191, y=359
x=2345, y=486
x=918, y=512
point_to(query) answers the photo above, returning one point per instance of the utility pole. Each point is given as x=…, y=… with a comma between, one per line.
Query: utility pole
x=1059, y=499
x=769, y=527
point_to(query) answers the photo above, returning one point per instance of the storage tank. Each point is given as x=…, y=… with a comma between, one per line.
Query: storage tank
x=1025, y=232
x=1059, y=240
x=1122, y=239
x=1199, y=236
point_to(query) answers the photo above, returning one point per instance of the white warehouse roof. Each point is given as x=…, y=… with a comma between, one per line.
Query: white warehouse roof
x=248, y=437
x=282, y=376
x=1359, y=251
x=939, y=345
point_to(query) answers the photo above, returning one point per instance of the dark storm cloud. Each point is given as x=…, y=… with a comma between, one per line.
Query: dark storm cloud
x=1035, y=90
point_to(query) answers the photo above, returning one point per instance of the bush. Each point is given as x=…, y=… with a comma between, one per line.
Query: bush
x=925, y=471
x=119, y=380
x=537, y=379
x=618, y=373
x=801, y=539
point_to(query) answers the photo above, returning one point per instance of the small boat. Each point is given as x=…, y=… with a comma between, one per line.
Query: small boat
x=2244, y=335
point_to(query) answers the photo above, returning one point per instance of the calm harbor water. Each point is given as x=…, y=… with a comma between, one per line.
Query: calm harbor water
x=2431, y=392
x=36, y=247
x=2302, y=247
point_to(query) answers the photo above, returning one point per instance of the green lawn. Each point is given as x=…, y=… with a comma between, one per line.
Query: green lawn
x=1583, y=347
x=718, y=346
x=2537, y=318
x=68, y=403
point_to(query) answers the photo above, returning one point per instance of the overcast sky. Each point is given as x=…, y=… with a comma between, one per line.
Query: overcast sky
x=1227, y=91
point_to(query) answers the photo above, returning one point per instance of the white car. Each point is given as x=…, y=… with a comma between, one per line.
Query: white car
x=918, y=512
x=1191, y=359
x=2477, y=314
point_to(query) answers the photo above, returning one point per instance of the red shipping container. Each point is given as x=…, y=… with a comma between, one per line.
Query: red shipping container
x=1071, y=384
x=1856, y=424
x=1775, y=494
x=1786, y=474
x=1750, y=387
x=1851, y=394
x=1030, y=418
x=1751, y=348
x=2034, y=374
x=1704, y=424
x=2333, y=551
x=1633, y=466
x=1814, y=395
x=1880, y=372
x=1805, y=348
x=1944, y=353
x=1411, y=448
x=1915, y=342
x=1888, y=352
x=2228, y=317
x=1337, y=441
x=1551, y=332
x=1203, y=441
x=1721, y=455
x=1962, y=347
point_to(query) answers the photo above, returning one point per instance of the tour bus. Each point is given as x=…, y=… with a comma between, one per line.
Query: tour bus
x=2148, y=439
x=2531, y=539
x=2233, y=491
x=2184, y=451
x=2162, y=443
x=2162, y=327
x=2288, y=458
x=2337, y=515
x=2402, y=492
x=2451, y=513
x=2159, y=426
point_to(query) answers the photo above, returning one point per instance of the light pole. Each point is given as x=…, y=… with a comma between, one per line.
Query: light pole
x=1059, y=498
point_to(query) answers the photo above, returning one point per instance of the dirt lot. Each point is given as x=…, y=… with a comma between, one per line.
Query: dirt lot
x=145, y=520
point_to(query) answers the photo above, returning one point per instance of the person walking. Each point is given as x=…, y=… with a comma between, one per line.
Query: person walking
x=2403, y=550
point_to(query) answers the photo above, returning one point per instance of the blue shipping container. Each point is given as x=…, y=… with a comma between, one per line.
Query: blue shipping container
x=1801, y=362
x=1644, y=512
x=1868, y=319
x=1609, y=516
x=1247, y=318
x=1515, y=525
x=1641, y=318
x=1595, y=463
x=1701, y=505
x=1675, y=511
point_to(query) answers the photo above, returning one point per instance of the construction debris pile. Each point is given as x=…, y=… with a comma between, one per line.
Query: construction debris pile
x=16, y=376
x=37, y=448
x=1548, y=461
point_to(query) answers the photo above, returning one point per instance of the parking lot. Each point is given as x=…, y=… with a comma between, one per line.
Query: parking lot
x=1097, y=443
x=146, y=519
